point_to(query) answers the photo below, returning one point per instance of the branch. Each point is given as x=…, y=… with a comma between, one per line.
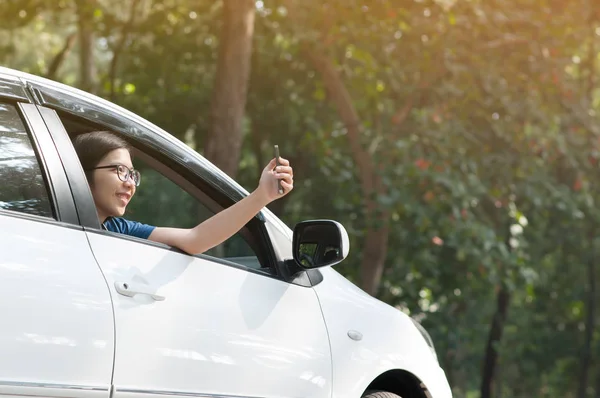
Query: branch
x=341, y=99
x=591, y=58
x=402, y=114
x=506, y=41
x=120, y=45
x=61, y=56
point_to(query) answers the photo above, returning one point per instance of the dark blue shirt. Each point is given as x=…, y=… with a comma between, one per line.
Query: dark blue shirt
x=131, y=228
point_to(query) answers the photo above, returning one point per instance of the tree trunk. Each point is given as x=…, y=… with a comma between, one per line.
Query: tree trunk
x=586, y=355
x=59, y=59
x=491, y=351
x=224, y=140
x=373, y=261
x=376, y=239
x=87, y=67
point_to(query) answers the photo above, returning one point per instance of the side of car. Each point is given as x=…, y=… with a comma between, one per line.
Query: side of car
x=241, y=321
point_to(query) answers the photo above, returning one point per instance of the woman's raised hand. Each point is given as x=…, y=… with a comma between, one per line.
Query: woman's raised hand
x=271, y=174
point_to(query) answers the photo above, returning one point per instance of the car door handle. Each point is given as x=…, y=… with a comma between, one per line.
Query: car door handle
x=130, y=289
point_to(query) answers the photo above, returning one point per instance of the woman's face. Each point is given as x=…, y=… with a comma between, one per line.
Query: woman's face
x=111, y=195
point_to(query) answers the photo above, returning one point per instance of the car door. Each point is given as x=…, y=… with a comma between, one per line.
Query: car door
x=225, y=324
x=57, y=330
x=202, y=325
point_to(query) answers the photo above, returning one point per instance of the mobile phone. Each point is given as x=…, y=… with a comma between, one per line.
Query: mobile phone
x=279, y=187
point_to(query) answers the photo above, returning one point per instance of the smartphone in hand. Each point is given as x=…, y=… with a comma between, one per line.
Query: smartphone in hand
x=279, y=187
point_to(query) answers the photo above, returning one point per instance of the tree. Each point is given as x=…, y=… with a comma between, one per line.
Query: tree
x=87, y=65
x=224, y=141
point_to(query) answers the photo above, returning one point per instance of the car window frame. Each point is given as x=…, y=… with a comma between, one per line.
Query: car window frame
x=13, y=89
x=84, y=200
x=59, y=195
x=68, y=100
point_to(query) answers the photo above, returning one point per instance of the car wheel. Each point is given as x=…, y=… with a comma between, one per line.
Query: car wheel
x=380, y=394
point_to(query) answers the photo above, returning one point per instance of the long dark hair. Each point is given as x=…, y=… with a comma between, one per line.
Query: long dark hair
x=92, y=147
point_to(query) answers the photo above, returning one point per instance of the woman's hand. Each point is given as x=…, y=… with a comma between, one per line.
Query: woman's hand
x=268, y=180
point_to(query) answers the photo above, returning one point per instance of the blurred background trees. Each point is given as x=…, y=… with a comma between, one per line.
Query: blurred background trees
x=457, y=141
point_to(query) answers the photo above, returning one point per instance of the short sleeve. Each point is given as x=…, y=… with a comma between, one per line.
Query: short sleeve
x=126, y=227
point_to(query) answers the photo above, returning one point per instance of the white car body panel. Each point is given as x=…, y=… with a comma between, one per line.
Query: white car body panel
x=389, y=341
x=57, y=320
x=219, y=330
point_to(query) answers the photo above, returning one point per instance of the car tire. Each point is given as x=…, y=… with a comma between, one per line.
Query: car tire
x=379, y=394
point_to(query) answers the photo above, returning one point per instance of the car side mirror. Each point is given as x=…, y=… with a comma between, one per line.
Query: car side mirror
x=320, y=243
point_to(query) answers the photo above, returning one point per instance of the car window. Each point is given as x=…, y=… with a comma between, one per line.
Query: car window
x=23, y=188
x=161, y=202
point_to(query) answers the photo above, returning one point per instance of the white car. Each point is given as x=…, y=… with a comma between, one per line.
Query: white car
x=89, y=313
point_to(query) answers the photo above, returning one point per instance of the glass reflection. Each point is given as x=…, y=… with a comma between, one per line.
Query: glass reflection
x=10, y=121
x=23, y=187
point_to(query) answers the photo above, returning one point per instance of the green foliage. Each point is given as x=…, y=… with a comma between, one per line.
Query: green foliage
x=482, y=119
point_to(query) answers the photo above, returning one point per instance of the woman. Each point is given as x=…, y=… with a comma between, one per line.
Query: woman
x=106, y=159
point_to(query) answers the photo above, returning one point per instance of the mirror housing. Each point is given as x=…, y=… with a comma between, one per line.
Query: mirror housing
x=320, y=243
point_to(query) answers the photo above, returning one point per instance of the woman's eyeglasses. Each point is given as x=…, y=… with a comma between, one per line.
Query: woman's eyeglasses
x=124, y=173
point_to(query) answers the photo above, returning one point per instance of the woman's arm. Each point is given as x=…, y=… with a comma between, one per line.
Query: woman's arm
x=228, y=222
